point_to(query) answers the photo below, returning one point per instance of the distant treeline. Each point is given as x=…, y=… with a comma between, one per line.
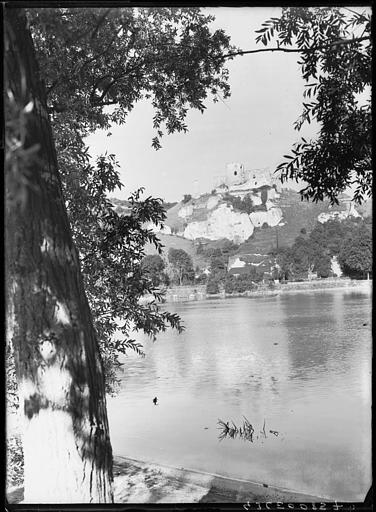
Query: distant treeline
x=350, y=241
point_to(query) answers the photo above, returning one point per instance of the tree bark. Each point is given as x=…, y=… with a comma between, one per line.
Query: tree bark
x=66, y=443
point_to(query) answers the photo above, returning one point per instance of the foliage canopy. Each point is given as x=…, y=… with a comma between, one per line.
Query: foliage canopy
x=182, y=265
x=97, y=64
x=355, y=256
x=154, y=266
x=95, y=58
x=335, y=58
x=349, y=240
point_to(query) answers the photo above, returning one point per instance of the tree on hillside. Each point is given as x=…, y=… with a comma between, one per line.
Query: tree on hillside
x=334, y=46
x=284, y=258
x=323, y=265
x=66, y=445
x=355, y=256
x=243, y=282
x=331, y=234
x=332, y=238
x=305, y=256
x=213, y=285
x=318, y=246
x=218, y=264
x=153, y=265
x=182, y=265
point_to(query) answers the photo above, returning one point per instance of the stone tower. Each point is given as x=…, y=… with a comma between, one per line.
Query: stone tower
x=235, y=173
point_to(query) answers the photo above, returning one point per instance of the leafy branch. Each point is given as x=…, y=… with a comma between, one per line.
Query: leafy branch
x=312, y=49
x=335, y=60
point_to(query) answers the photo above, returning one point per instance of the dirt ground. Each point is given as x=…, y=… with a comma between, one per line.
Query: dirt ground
x=141, y=482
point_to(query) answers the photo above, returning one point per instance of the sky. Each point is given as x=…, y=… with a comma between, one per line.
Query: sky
x=254, y=126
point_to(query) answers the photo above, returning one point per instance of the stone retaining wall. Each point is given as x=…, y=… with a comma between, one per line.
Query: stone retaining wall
x=184, y=293
x=198, y=292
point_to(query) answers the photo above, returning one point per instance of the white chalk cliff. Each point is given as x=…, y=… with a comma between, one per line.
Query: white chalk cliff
x=222, y=222
x=213, y=217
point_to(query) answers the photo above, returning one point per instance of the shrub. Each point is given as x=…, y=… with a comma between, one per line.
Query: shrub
x=212, y=286
x=244, y=205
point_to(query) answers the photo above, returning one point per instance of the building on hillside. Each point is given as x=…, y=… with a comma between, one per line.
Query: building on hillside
x=311, y=275
x=247, y=263
x=235, y=174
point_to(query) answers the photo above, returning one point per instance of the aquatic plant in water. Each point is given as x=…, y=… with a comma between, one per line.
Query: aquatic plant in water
x=244, y=431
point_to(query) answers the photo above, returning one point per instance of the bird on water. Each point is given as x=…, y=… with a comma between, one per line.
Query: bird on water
x=155, y=400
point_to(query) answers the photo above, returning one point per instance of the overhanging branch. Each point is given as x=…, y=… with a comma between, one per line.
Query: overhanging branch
x=296, y=50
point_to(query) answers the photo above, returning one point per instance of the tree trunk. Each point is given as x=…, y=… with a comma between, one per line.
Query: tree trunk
x=67, y=450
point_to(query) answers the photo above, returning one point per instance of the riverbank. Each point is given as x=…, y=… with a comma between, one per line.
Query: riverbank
x=198, y=293
x=145, y=482
x=327, y=284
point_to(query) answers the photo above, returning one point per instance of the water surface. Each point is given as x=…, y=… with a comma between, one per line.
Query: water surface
x=301, y=362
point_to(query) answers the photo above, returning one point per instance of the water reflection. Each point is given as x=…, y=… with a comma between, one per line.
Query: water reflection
x=327, y=345
x=301, y=362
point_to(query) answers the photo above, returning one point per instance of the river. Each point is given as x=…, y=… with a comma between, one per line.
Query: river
x=300, y=362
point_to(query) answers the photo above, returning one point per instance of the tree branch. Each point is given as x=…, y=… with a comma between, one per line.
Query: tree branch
x=100, y=22
x=100, y=54
x=358, y=14
x=93, y=34
x=128, y=70
x=296, y=50
x=94, y=31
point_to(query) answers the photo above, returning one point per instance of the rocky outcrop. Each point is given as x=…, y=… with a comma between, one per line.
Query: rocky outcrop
x=222, y=222
x=271, y=217
x=278, y=215
x=336, y=268
x=212, y=202
x=186, y=211
x=213, y=217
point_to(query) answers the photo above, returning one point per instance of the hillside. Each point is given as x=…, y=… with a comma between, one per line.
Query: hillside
x=177, y=242
x=297, y=215
x=247, y=208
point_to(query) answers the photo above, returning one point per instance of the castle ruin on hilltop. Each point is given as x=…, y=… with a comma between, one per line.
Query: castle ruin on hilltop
x=239, y=181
